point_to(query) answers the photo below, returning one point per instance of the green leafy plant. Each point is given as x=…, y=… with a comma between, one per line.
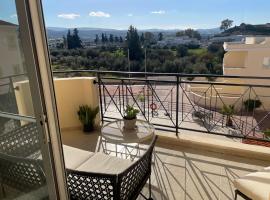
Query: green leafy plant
x=141, y=97
x=131, y=112
x=252, y=104
x=87, y=117
x=229, y=111
x=210, y=78
x=267, y=133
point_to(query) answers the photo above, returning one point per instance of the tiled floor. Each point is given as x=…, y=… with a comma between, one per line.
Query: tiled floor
x=180, y=172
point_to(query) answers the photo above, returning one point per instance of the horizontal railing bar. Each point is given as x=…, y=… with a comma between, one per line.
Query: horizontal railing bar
x=160, y=74
x=12, y=76
x=17, y=117
x=189, y=82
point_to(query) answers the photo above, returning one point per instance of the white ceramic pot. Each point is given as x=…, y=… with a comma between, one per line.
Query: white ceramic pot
x=129, y=124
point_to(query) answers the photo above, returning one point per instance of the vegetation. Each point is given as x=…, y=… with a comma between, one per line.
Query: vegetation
x=229, y=111
x=252, y=104
x=131, y=113
x=111, y=53
x=267, y=133
x=226, y=24
x=175, y=60
x=190, y=33
x=87, y=117
x=73, y=41
x=247, y=29
x=134, y=44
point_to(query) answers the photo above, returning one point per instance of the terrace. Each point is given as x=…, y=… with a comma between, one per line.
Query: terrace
x=197, y=156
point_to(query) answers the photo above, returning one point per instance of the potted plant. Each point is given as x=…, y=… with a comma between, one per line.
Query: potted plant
x=130, y=117
x=87, y=117
x=267, y=133
x=252, y=104
x=229, y=111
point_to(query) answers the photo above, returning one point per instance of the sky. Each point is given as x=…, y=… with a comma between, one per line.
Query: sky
x=146, y=14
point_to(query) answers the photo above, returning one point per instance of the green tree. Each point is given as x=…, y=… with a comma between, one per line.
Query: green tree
x=190, y=33
x=182, y=51
x=103, y=38
x=160, y=36
x=134, y=44
x=116, y=39
x=76, y=39
x=142, y=39
x=96, y=39
x=69, y=40
x=149, y=38
x=111, y=39
x=226, y=24
x=121, y=39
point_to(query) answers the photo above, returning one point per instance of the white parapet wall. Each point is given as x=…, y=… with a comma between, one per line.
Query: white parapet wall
x=204, y=96
x=70, y=94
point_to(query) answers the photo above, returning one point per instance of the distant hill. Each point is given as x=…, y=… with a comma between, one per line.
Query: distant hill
x=248, y=29
x=211, y=31
x=90, y=33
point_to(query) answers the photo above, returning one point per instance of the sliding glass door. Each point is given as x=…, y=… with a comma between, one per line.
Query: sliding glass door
x=31, y=163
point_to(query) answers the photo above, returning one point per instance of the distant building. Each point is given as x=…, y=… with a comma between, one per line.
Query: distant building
x=175, y=41
x=10, y=53
x=231, y=38
x=11, y=59
x=56, y=43
x=248, y=58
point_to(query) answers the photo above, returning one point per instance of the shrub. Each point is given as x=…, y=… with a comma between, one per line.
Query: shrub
x=87, y=117
x=252, y=104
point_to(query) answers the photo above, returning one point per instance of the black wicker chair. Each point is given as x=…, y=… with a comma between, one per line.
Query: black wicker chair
x=20, y=170
x=17, y=169
x=124, y=186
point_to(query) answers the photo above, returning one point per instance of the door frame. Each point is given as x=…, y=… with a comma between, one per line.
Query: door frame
x=34, y=46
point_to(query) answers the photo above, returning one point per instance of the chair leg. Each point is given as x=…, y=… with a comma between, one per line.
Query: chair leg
x=235, y=194
x=3, y=190
x=150, y=189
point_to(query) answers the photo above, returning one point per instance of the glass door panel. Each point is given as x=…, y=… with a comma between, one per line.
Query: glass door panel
x=26, y=169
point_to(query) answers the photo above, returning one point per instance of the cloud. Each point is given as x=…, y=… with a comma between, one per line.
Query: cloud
x=13, y=16
x=99, y=14
x=159, y=12
x=130, y=15
x=68, y=16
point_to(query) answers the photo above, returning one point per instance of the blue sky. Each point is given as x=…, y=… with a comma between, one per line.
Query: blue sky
x=167, y=14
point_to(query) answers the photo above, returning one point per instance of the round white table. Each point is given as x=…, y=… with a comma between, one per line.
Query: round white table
x=114, y=132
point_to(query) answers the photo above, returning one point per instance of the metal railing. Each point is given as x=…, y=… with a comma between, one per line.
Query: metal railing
x=175, y=102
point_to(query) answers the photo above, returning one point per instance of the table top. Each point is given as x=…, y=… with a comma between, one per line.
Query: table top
x=116, y=133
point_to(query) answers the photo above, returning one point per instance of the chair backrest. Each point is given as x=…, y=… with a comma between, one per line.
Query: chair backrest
x=21, y=173
x=20, y=142
x=16, y=170
x=133, y=179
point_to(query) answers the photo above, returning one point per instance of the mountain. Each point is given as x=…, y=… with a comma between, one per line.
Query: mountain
x=211, y=31
x=90, y=33
x=84, y=33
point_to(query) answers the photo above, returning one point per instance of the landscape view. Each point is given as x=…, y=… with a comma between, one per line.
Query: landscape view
x=135, y=99
x=146, y=41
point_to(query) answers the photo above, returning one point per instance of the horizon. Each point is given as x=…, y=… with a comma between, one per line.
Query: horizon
x=151, y=14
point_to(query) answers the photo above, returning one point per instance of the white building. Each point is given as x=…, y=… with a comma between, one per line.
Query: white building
x=175, y=41
x=10, y=51
x=12, y=62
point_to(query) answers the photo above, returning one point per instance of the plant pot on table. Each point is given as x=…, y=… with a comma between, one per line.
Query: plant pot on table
x=130, y=124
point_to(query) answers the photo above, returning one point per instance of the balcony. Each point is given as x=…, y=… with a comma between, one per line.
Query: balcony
x=197, y=156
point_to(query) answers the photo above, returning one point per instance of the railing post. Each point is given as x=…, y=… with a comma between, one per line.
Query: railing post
x=177, y=105
x=123, y=97
x=100, y=97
